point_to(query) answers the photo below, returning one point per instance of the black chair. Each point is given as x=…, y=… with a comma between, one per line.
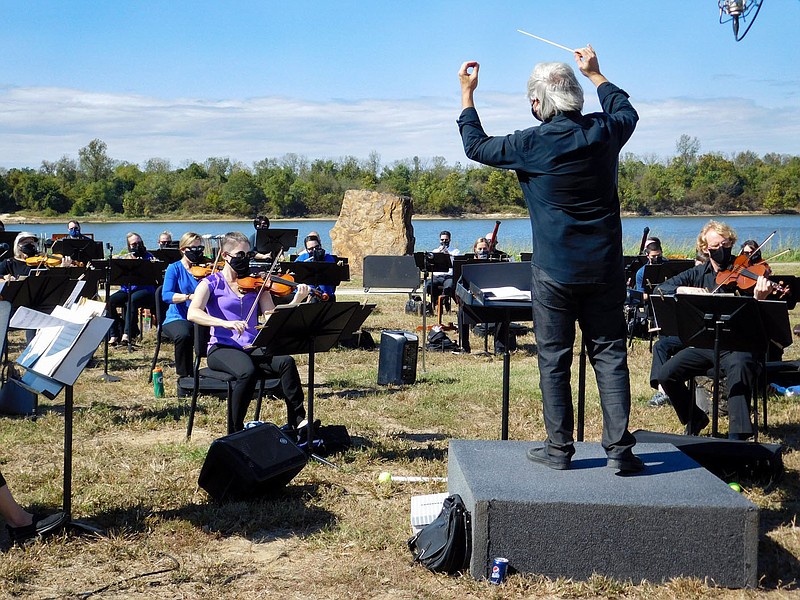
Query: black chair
x=160, y=313
x=217, y=383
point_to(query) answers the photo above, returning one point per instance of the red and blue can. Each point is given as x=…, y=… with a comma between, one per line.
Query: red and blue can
x=499, y=568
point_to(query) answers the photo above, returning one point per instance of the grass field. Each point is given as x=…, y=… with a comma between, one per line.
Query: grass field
x=332, y=533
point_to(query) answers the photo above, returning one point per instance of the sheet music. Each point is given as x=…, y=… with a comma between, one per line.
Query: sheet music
x=507, y=293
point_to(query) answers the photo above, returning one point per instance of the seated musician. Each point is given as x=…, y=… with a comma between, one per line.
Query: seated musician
x=74, y=231
x=142, y=296
x=740, y=368
x=260, y=222
x=481, y=251
x=441, y=284
x=314, y=252
x=25, y=246
x=165, y=239
x=179, y=285
x=654, y=255
x=232, y=314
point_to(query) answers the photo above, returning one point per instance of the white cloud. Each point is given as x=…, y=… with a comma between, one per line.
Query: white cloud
x=46, y=123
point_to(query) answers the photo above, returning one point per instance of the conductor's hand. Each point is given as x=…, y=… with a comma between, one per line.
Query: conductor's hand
x=237, y=326
x=468, y=76
x=587, y=63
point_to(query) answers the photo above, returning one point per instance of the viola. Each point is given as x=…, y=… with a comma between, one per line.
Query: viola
x=743, y=274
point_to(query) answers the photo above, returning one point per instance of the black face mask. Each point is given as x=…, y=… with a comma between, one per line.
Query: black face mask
x=721, y=256
x=138, y=250
x=241, y=265
x=29, y=249
x=194, y=256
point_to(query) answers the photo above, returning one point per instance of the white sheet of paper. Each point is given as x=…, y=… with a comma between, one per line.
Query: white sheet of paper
x=507, y=293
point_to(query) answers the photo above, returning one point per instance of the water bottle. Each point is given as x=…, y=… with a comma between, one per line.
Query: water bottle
x=147, y=320
x=158, y=382
x=789, y=392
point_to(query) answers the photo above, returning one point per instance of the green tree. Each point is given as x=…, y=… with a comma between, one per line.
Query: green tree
x=240, y=195
x=94, y=162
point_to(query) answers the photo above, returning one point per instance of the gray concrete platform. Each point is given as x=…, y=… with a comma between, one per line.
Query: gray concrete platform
x=674, y=519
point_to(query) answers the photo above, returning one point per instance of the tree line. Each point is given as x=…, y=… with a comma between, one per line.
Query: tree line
x=294, y=186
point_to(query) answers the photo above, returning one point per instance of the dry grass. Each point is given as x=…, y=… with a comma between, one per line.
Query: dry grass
x=332, y=533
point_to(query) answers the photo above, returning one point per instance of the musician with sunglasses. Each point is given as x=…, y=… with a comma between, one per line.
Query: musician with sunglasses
x=232, y=314
x=179, y=286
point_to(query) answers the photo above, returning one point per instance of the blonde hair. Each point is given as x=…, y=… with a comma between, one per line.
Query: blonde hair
x=189, y=237
x=232, y=238
x=719, y=227
x=481, y=240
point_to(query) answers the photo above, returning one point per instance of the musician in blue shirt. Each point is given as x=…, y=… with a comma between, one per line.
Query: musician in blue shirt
x=567, y=169
x=314, y=252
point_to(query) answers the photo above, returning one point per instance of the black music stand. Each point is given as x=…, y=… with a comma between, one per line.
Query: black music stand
x=318, y=273
x=167, y=255
x=82, y=250
x=657, y=274
x=428, y=263
x=275, y=241
x=478, y=277
x=72, y=365
x=307, y=329
x=129, y=272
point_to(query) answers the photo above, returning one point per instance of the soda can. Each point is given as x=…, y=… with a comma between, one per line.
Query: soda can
x=499, y=568
x=158, y=382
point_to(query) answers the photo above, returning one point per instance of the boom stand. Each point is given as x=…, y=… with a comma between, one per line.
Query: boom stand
x=307, y=329
x=429, y=263
x=722, y=323
x=106, y=376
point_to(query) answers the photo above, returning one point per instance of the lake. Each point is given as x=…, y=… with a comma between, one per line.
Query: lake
x=514, y=234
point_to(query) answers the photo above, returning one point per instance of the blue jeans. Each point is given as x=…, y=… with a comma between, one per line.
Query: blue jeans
x=598, y=308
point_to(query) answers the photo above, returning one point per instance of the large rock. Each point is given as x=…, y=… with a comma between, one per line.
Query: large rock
x=372, y=223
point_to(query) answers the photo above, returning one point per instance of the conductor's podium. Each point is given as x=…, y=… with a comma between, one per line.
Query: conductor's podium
x=673, y=520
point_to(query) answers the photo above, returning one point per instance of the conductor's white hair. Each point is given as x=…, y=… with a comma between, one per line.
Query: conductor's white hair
x=555, y=86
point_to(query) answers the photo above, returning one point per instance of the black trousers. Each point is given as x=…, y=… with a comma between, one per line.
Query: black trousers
x=119, y=299
x=664, y=348
x=740, y=370
x=181, y=332
x=247, y=368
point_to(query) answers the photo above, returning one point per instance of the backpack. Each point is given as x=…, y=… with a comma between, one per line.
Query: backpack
x=438, y=340
x=445, y=545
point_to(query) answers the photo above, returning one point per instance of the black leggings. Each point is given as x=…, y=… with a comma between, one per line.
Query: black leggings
x=247, y=368
x=181, y=332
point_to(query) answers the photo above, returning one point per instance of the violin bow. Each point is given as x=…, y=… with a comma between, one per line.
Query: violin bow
x=263, y=285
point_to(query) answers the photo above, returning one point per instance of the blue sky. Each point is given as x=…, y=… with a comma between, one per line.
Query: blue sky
x=250, y=80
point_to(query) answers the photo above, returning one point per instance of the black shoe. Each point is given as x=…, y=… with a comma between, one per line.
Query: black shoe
x=628, y=463
x=699, y=422
x=541, y=456
x=41, y=526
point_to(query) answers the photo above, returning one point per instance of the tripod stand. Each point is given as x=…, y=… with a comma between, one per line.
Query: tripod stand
x=429, y=263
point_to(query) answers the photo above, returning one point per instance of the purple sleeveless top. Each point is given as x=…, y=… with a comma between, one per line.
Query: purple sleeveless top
x=224, y=303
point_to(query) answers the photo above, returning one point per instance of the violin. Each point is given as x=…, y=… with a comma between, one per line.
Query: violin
x=743, y=275
x=48, y=261
x=277, y=286
x=203, y=271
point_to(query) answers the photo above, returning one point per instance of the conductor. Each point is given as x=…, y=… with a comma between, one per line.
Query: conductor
x=567, y=168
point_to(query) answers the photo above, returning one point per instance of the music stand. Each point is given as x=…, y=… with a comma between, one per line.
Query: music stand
x=428, y=263
x=129, y=272
x=72, y=364
x=83, y=250
x=308, y=329
x=317, y=273
x=657, y=274
x=275, y=241
x=167, y=255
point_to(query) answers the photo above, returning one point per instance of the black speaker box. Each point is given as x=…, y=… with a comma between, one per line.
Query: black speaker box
x=250, y=463
x=397, y=363
x=730, y=460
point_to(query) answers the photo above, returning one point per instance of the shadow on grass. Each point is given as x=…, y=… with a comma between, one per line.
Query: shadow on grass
x=287, y=513
x=428, y=453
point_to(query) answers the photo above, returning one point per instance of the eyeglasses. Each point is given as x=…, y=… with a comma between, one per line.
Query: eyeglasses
x=241, y=255
x=194, y=249
x=725, y=244
x=444, y=240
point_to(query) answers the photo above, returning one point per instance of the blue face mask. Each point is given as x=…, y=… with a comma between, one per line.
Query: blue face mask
x=74, y=232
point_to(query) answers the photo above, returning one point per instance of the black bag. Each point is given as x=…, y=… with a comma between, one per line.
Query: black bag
x=445, y=545
x=438, y=340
